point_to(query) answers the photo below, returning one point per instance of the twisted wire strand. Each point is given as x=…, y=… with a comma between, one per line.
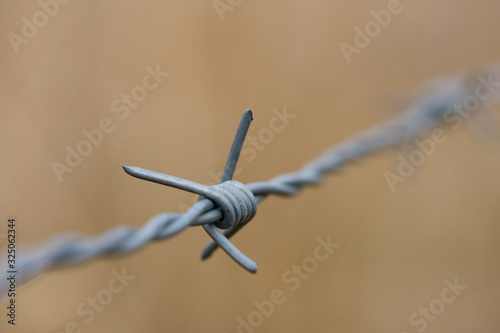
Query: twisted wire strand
x=69, y=249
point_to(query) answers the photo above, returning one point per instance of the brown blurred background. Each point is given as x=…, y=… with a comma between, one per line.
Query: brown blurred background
x=396, y=248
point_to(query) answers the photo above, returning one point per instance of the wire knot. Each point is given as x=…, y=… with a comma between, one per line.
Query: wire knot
x=237, y=203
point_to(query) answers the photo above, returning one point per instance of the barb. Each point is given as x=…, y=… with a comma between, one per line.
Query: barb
x=237, y=203
x=231, y=204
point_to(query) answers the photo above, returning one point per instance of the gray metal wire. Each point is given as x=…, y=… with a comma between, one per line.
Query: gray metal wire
x=426, y=111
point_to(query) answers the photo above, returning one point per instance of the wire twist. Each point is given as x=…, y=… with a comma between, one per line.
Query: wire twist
x=239, y=204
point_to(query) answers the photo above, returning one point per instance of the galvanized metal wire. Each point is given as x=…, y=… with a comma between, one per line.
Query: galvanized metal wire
x=231, y=204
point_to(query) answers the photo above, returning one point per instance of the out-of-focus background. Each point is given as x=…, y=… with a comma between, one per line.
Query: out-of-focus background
x=67, y=67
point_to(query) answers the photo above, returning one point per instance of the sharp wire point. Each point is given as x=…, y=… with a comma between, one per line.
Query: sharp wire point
x=239, y=139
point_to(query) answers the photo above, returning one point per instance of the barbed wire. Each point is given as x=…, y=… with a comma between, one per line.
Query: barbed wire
x=231, y=204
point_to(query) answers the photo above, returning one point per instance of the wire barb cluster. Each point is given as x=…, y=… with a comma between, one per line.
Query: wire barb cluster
x=235, y=202
x=231, y=205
